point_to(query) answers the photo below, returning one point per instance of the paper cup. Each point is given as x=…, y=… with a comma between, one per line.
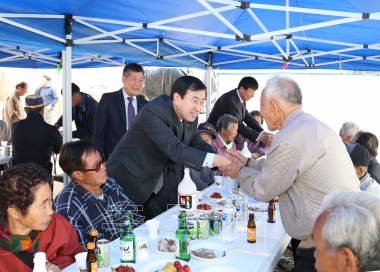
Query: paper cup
x=80, y=258
x=229, y=182
x=4, y=143
x=142, y=252
x=153, y=226
x=199, y=196
x=218, y=181
x=104, y=253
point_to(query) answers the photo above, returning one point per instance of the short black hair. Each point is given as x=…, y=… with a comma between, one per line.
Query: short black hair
x=47, y=77
x=369, y=141
x=184, y=83
x=19, y=184
x=22, y=84
x=248, y=82
x=70, y=156
x=132, y=67
x=74, y=89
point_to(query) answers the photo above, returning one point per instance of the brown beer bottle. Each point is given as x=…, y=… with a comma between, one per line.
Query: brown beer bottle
x=251, y=229
x=271, y=212
x=91, y=260
x=94, y=239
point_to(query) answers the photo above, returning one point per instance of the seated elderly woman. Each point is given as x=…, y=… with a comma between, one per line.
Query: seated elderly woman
x=227, y=127
x=347, y=233
x=28, y=223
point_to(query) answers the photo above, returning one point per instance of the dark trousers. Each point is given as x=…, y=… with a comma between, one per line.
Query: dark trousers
x=150, y=209
x=295, y=243
x=305, y=260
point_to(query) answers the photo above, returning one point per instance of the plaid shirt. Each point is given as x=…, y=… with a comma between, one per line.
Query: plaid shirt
x=87, y=212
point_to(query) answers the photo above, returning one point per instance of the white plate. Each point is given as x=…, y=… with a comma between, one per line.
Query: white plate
x=154, y=246
x=220, y=268
x=135, y=266
x=234, y=193
x=218, y=249
x=223, y=196
x=158, y=265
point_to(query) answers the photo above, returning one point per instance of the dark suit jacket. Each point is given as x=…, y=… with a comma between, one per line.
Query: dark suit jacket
x=111, y=122
x=229, y=103
x=374, y=169
x=85, y=128
x=34, y=140
x=150, y=145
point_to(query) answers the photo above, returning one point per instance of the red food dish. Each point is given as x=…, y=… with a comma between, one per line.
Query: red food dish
x=123, y=268
x=216, y=195
x=204, y=206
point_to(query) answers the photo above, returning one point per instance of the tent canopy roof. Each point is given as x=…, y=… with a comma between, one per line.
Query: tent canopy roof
x=222, y=34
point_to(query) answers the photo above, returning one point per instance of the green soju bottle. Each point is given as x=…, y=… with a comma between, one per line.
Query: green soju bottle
x=182, y=236
x=127, y=241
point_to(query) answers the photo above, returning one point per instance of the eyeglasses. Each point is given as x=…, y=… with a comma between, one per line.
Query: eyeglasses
x=97, y=166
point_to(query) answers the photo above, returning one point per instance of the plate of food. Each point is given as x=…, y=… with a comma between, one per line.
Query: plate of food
x=216, y=195
x=168, y=264
x=222, y=202
x=209, y=251
x=164, y=245
x=205, y=207
x=234, y=191
x=220, y=268
x=125, y=267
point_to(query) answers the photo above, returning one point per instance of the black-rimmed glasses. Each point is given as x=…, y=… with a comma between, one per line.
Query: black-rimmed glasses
x=97, y=166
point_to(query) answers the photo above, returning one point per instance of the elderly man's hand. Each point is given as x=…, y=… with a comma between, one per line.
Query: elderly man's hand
x=233, y=169
x=266, y=138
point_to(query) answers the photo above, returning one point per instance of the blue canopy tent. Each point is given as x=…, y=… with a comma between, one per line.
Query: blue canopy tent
x=204, y=34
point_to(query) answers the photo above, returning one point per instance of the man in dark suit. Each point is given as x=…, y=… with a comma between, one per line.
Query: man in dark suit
x=34, y=140
x=234, y=103
x=371, y=143
x=116, y=110
x=159, y=139
x=84, y=107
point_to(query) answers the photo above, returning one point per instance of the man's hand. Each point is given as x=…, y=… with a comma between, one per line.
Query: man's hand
x=237, y=155
x=221, y=160
x=233, y=169
x=266, y=138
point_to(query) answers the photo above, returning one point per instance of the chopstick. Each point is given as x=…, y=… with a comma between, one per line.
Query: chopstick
x=253, y=251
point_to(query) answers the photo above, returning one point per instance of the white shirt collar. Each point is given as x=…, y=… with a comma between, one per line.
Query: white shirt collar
x=126, y=96
x=241, y=100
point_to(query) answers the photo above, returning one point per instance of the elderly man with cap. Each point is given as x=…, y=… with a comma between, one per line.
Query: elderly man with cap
x=360, y=158
x=205, y=177
x=34, y=140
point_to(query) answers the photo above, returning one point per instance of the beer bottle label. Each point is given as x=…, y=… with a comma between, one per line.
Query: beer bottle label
x=126, y=250
x=251, y=234
x=94, y=266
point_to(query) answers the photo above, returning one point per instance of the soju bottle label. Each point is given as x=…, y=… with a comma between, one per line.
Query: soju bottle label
x=126, y=250
x=188, y=246
x=177, y=245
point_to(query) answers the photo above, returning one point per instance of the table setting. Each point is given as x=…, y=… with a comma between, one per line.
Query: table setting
x=159, y=234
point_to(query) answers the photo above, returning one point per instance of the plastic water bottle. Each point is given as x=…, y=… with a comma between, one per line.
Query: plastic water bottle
x=228, y=222
x=39, y=262
x=241, y=212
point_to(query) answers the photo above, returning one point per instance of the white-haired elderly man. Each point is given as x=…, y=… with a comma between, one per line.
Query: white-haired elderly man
x=348, y=130
x=305, y=162
x=347, y=233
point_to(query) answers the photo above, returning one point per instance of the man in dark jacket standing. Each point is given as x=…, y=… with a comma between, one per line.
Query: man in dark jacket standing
x=116, y=110
x=164, y=133
x=84, y=108
x=34, y=140
x=233, y=102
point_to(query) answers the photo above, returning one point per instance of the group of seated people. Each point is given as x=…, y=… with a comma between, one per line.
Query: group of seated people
x=30, y=218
